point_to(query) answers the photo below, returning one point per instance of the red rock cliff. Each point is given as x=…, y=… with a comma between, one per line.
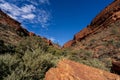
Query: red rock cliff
x=7, y=20
x=107, y=16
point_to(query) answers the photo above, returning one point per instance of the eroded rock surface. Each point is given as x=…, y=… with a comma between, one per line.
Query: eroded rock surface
x=69, y=70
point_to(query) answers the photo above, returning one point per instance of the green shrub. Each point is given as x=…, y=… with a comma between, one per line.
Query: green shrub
x=4, y=70
x=31, y=43
x=31, y=66
x=56, y=51
x=107, y=63
x=83, y=54
x=95, y=63
x=6, y=48
x=2, y=46
x=8, y=63
x=85, y=57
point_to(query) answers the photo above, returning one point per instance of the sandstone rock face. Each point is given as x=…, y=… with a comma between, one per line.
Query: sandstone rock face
x=69, y=70
x=11, y=30
x=7, y=20
x=69, y=43
x=106, y=17
x=85, y=32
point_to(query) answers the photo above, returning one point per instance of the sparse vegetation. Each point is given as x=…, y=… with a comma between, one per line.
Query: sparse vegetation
x=86, y=57
x=32, y=57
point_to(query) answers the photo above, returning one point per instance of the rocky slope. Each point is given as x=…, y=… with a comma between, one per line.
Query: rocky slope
x=101, y=22
x=101, y=37
x=69, y=70
x=11, y=30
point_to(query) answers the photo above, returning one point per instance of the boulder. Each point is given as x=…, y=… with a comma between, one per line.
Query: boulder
x=116, y=67
x=70, y=70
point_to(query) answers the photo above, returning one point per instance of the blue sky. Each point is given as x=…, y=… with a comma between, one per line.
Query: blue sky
x=57, y=20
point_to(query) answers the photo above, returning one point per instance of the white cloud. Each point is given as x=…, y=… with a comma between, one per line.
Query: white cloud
x=6, y=6
x=29, y=16
x=27, y=12
x=15, y=10
x=43, y=18
x=37, y=2
x=44, y=1
x=12, y=9
x=28, y=8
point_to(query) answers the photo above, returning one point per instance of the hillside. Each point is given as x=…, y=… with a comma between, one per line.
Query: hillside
x=11, y=30
x=104, y=20
x=101, y=37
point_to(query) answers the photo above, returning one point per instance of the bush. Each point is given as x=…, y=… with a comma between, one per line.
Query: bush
x=2, y=46
x=4, y=70
x=85, y=57
x=56, y=51
x=31, y=43
x=31, y=66
x=6, y=48
x=8, y=63
x=80, y=54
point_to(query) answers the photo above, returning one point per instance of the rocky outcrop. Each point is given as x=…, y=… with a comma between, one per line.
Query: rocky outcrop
x=106, y=17
x=69, y=43
x=7, y=20
x=69, y=70
x=49, y=42
x=116, y=67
